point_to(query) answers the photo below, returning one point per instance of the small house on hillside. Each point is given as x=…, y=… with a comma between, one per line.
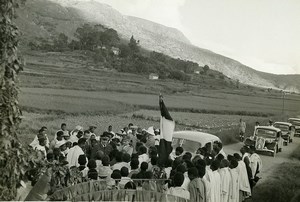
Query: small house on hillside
x=115, y=50
x=197, y=72
x=153, y=76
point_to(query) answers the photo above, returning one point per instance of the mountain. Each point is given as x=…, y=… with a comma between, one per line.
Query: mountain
x=45, y=19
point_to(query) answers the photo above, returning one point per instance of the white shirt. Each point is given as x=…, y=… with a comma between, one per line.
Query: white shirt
x=186, y=181
x=243, y=177
x=225, y=183
x=255, y=161
x=234, y=186
x=73, y=156
x=143, y=158
x=179, y=192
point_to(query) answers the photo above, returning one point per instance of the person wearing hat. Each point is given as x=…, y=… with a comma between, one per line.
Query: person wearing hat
x=126, y=147
x=105, y=147
x=150, y=134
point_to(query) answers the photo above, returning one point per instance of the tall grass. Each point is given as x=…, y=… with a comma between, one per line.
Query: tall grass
x=283, y=185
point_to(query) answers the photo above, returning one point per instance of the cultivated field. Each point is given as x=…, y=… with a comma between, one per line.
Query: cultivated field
x=214, y=102
x=68, y=87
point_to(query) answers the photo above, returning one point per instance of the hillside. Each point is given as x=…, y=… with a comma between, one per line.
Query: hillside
x=46, y=19
x=96, y=12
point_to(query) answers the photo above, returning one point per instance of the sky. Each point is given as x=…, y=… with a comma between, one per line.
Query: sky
x=263, y=34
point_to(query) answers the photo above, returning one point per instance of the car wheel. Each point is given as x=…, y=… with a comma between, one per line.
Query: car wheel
x=280, y=150
x=291, y=140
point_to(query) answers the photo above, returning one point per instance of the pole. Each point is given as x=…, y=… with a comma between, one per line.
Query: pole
x=283, y=94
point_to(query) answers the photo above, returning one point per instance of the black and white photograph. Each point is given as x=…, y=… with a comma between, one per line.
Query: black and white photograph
x=150, y=100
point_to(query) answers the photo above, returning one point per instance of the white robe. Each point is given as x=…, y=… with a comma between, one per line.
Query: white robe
x=186, y=181
x=234, y=186
x=215, y=187
x=255, y=161
x=225, y=184
x=208, y=178
x=243, y=177
x=35, y=141
x=73, y=156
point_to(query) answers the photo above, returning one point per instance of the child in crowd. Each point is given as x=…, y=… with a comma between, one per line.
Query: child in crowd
x=125, y=178
x=82, y=165
x=104, y=171
x=92, y=173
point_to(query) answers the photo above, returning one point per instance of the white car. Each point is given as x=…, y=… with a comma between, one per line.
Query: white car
x=191, y=141
x=296, y=124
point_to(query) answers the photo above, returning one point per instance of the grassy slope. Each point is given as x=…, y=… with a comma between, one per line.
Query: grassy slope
x=283, y=185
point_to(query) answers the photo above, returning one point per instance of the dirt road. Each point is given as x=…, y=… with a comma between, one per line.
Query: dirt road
x=269, y=162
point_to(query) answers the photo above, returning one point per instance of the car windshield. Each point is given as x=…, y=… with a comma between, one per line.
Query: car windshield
x=295, y=122
x=265, y=133
x=187, y=145
x=282, y=127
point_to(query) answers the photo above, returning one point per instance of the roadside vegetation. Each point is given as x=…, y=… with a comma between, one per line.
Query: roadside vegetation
x=283, y=185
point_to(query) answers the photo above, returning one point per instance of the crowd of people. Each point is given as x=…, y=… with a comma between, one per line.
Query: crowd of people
x=129, y=159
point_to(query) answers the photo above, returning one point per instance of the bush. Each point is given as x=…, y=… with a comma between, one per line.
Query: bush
x=282, y=186
x=212, y=75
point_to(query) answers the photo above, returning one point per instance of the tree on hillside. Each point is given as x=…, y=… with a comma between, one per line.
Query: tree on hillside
x=86, y=37
x=110, y=38
x=61, y=43
x=124, y=51
x=134, y=45
x=205, y=68
x=12, y=161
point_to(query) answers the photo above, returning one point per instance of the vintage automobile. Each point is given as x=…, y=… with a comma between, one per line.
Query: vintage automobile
x=266, y=138
x=191, y=141
x=296, y=124
x=287, y=129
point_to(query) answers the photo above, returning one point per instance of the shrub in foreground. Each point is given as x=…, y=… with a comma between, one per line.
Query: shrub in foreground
x=282, y=186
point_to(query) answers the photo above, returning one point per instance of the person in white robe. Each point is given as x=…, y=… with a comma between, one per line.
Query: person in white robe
x=63, y=128
x=215, y=182
x=225, y=180
x=208, y=177
x=245, y=190
x=178, y=190
x=42, y=133
x=58, y=141
x=234, y=182
x=75, y=152
x=255, y=162
x=76, y=134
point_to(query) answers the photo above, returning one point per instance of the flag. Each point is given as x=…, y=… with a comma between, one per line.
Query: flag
x=167, y=126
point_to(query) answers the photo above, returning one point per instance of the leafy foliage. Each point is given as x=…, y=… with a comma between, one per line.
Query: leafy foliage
x=13, y=158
